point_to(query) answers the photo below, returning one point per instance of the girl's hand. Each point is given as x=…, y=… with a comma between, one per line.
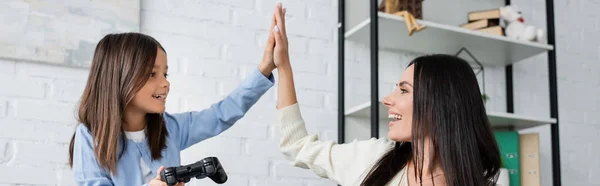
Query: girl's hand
x=268, y=65
x=157, y=182
x=281, y=54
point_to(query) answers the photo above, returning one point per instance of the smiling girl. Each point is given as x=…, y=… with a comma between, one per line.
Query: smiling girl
x=125, y=137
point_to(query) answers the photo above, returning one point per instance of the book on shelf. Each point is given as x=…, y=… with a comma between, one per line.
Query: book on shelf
x=494, y=30
x=508, y=143
x=529, y=149
x=484, y=14
x=484, y=23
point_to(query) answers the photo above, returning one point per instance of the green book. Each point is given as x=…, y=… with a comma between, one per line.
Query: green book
x=508, y=142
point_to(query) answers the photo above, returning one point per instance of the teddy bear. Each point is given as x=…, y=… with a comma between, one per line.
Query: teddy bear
x=515, y=27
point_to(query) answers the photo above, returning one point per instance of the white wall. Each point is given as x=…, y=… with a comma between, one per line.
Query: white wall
x=577, y=56
x=214, y=44
x=211, y=46
x=38, y=101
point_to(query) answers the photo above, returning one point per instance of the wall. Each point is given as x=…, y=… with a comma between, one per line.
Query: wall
x=578, y=84
x=38, y=100
x=213, y=44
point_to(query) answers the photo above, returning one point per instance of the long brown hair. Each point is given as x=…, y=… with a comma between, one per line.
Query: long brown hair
x=121, y=65
x=448, y=109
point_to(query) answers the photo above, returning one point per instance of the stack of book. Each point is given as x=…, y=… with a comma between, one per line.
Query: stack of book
x=521, y=156
x=487, y=21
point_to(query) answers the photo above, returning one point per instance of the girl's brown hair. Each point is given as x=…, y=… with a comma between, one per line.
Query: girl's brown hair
x=121, y=65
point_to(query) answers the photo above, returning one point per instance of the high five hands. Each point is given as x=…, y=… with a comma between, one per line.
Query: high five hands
x=276, y=53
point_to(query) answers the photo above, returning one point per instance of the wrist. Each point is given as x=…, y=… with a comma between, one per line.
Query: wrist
x=265, y=69
x=284, y=69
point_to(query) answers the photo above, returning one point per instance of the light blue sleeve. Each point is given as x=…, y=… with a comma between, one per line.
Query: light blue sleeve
x=87, y=171
x=195, y=126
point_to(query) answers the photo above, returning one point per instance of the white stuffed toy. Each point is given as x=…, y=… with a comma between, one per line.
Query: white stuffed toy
x=515, y=27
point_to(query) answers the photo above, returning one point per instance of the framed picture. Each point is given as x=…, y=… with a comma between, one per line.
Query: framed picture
x=64, y=33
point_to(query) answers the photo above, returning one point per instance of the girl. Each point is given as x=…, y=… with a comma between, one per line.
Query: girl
x=125, y=136
x=439, y=132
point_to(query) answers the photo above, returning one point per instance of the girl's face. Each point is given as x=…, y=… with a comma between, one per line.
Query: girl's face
x=152, y=97
x=400, y=105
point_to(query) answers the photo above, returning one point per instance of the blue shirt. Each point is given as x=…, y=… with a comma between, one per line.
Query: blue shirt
x=185, y=129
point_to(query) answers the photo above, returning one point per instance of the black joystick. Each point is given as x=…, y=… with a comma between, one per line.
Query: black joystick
x=207, y=167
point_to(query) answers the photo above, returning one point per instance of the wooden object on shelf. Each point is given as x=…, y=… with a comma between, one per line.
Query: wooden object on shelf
x=414, y=7
x=411, y=23
x=484, y=14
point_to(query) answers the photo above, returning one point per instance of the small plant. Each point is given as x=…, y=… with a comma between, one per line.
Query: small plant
x=485, y=98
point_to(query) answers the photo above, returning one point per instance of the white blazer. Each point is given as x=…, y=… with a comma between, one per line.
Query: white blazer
x=347, y=164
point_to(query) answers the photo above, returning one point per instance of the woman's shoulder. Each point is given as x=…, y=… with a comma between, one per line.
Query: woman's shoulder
x=373, y=144
x=362, y=155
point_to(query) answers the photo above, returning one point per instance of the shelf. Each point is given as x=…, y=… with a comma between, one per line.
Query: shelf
x=447, y=39
x=497, y=119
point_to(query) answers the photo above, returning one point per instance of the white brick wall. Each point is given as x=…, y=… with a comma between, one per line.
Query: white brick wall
x=212, y=45
x=37, y=105
x=211, y=62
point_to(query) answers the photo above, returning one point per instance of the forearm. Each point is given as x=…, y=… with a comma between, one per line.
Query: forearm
x=286, y=93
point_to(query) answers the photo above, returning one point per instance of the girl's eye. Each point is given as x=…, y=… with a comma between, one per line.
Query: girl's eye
x=403, y=90
x=152, y=74
x=166, y=75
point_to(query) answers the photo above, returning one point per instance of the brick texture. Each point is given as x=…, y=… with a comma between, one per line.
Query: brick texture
x=212, y=45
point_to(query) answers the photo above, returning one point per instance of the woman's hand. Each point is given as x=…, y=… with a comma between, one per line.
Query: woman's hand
x=157, y=182
x=286, y=93
x=281, y=54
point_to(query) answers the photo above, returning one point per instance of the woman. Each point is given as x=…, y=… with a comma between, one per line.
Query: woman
x=439, y=131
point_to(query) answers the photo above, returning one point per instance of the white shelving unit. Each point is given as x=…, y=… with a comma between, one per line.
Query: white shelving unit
x=490, y=50
x=497, y=119
x=447, y=39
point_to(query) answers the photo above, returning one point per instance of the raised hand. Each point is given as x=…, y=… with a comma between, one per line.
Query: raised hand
x=286, y=93
x=268, y=65
x=281, y=54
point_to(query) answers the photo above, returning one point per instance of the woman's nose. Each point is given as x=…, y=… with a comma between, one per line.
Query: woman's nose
x=387, y=101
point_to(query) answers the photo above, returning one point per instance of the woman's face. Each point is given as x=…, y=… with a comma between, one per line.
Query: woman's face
x=400, y=107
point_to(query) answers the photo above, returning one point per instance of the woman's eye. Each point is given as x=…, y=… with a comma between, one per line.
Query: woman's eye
x=152, y=74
